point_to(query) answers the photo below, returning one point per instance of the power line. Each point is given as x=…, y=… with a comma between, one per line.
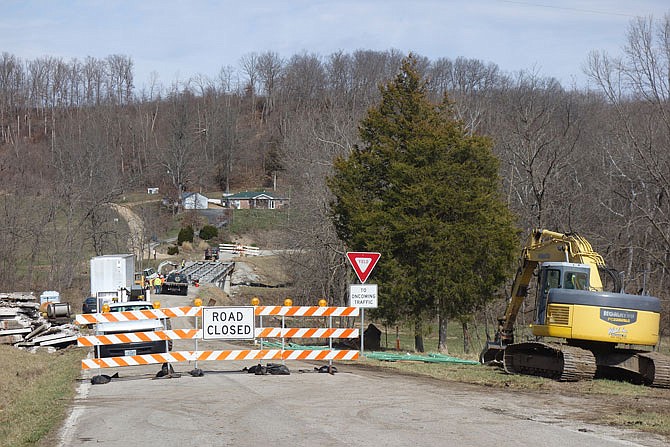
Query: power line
x=565, y=8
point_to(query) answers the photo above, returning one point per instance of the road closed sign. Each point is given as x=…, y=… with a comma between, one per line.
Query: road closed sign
x=228, y=323
x=363, y=295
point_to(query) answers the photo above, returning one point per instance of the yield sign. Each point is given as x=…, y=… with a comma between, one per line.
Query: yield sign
x=363, y=263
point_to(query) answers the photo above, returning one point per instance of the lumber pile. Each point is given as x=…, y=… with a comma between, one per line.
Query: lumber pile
x=22, y=324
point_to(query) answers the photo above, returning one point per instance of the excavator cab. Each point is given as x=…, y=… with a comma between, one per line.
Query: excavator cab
x=559, y=275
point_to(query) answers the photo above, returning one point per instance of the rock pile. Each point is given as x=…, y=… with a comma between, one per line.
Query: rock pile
x=22, y=324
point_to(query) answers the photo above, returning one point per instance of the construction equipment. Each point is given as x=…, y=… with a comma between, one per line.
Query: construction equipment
x=144, y=277
x=176, y=283
x=603, y=334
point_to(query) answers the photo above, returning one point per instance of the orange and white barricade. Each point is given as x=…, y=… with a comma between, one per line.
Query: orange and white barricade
x=260, y=332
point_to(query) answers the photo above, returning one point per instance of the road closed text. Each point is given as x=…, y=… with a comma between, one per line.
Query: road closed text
x=228, y=323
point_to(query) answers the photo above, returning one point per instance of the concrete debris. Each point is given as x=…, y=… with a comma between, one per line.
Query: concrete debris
x=23, y=325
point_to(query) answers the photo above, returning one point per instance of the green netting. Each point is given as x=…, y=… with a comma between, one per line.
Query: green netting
x=383, y=356
x=430, y=358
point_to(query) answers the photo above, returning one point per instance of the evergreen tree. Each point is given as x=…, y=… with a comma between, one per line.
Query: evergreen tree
x=424, y=194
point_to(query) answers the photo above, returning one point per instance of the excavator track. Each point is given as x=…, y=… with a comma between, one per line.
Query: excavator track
x=558, y=362
x=657, y=370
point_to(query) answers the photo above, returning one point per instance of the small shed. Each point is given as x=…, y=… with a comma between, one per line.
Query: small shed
x=194, y=201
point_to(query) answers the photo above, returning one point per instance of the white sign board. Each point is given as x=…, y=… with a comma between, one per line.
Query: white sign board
x=363, y=295
x=228, y=323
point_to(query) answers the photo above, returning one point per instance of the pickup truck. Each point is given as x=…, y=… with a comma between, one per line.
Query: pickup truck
x=212, y=254
x=120, y=327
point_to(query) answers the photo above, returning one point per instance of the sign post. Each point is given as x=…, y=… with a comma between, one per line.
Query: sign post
x=361, y=295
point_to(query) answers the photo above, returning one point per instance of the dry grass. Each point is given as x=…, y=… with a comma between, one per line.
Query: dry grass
x=36, y=390
x=649, y=421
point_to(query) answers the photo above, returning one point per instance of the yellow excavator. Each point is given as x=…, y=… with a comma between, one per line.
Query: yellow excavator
x=600, y=333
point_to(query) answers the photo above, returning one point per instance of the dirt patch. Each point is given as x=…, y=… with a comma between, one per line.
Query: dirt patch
x=263, y=277
x=212, y=295
x=268, y=271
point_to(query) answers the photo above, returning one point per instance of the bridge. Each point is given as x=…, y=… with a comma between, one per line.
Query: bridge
x=210, y=272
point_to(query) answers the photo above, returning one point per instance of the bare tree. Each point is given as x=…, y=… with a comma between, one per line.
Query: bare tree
x=303, y=81
x=12, y=98
x=536, y=137
x=179, y=157
x=120, y=78
x=269, y=69
x=249, y=64
x=93, y=78
x=637, y=86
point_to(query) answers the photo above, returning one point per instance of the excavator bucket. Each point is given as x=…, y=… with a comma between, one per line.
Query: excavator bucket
x=492, y=354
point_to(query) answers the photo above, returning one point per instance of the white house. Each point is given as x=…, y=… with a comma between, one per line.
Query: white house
x=254, y=199
x=194, y=201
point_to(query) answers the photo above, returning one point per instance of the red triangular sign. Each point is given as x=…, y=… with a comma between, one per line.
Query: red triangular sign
x=363, y=263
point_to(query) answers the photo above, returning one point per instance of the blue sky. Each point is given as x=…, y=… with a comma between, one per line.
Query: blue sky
x=178, y=39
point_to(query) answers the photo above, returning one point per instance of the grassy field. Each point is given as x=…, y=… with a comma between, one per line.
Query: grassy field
x=36, y=391
x=245, y=221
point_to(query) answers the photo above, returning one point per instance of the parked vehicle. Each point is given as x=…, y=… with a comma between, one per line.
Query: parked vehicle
x=120, y=327
x=212, y=254
x=112, y=276
x=90, y=305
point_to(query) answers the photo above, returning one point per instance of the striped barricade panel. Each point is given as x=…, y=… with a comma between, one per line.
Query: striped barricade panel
x=149, y=314
x=190, y=334
x=134, y=337
x=137, y=360
x=175, y=312
x=306, y=311
x=240, y=354
x=320, y=355
x=189, y=356
x=276, y=332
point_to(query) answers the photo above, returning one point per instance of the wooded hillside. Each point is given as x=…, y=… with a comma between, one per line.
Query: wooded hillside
x=76, y=135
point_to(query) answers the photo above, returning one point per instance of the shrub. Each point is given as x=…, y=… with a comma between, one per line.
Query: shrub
x=208, y=232
x=173, y=250
x=185, y=235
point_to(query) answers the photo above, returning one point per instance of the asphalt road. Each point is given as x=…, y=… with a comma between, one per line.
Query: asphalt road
x=354, y=407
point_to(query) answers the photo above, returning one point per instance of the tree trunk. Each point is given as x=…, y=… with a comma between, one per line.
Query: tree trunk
x=442, y=335
x=467, y=339
x=418, y=337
